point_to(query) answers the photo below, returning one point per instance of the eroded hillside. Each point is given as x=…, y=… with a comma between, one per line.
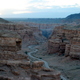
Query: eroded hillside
x=65, y=40
x=14, y=63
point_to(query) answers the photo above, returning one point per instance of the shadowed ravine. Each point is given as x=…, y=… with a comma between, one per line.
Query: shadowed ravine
x=45, y=63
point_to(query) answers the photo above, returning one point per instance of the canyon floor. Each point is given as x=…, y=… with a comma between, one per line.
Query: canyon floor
x=70, y=68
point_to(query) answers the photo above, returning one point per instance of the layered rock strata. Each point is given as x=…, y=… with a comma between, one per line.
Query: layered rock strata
x=17, y=66
x=65, y=40
x=9, y=41
x=13, y=69
x=32, y=35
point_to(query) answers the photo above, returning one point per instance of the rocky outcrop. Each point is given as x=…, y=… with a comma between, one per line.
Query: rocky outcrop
x=17, y=66
x=43, y=75
x=8, y=55
x=37, y=65
x=75, y=48
x=34, y=70
x=65, y=40
x=11, y=26
x=9, y=41
x=32, y=35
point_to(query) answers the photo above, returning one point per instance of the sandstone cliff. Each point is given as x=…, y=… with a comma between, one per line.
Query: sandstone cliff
x=65, y=40
x=9, y=41
x=17, y=66
x=29, y=35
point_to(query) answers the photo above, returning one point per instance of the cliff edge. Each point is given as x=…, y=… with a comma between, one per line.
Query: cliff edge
x=65, y=40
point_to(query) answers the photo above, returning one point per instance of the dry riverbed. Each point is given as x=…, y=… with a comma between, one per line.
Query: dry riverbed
x=69, y=67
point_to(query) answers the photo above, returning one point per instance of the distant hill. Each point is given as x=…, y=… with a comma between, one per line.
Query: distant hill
x=73, y=16
x=36, y=20
x=3, y=21
x=69, y=19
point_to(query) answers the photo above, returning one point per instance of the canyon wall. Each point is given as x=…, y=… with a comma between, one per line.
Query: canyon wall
x=29, y=35
x=65, y=40
x=9, y=41
x=16, y=65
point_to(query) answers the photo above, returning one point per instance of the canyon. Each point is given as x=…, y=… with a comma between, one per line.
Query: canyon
x=14, y=63
x=65, y=40
x=34, y=51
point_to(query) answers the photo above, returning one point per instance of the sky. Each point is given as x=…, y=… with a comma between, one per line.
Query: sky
x=38, y=8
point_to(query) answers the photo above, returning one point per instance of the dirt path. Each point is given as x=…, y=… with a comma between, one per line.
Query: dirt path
x=70, y=68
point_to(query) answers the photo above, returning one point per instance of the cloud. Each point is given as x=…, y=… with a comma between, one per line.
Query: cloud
x=0, y=13
x=20, y=12
x=44, y=4
x=28, y=6
x=9, y=6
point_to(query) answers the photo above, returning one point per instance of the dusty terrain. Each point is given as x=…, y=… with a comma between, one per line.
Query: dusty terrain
x=70, y=68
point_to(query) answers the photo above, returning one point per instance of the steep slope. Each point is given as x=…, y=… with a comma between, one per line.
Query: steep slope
x=29, y=35
x=65, y=40
x=69, y=19
x=3, y=21
x=73, y=16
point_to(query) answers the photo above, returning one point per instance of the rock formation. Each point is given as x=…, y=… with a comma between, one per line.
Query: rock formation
x=32, y=35
x=15, y=65
x=17, y=69
x=9, y=41
x=65, y=40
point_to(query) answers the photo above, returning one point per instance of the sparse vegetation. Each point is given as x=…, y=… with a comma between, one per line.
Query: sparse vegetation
x=26, y=52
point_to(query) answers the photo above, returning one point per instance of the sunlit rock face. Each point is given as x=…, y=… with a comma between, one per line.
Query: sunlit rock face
x=65, y=41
